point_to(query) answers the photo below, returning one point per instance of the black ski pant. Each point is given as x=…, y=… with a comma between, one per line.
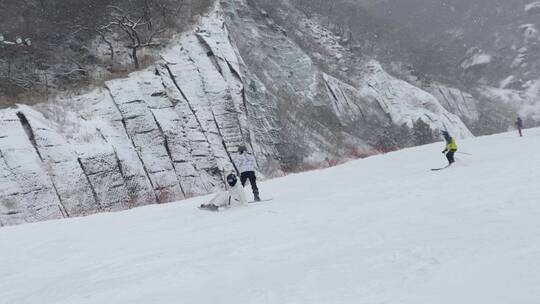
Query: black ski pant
x=450, y=156
x=252, y=180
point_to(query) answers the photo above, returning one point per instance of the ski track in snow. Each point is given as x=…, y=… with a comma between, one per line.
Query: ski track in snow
x=379, y=230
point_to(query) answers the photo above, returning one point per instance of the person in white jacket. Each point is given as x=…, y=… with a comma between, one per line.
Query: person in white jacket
x=245, y=163
x=233, y=197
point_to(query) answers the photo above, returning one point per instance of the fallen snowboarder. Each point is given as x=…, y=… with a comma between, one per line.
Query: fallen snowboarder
x=233, y=197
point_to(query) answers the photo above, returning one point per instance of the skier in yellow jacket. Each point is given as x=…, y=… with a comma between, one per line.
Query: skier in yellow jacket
x=451, y=147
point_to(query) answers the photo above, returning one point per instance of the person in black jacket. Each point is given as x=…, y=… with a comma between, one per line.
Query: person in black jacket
x=519, y=126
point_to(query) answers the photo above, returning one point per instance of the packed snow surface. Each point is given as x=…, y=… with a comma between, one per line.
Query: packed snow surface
x=380, y=230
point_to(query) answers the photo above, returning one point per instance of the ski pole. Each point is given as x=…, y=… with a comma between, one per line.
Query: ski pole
x=464, y=153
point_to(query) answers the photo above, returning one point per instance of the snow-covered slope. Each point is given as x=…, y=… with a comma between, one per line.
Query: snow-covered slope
x=172, y=130
x=380, y=230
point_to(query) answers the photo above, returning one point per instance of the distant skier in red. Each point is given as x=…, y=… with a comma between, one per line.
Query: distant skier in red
x=519, y=126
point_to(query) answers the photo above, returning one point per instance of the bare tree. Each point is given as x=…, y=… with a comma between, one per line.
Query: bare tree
x=64, y=54
x=139, y=27
x=103, y=32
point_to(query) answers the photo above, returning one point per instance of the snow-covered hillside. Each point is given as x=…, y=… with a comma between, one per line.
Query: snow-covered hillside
x=171, y=131
x=380, y=230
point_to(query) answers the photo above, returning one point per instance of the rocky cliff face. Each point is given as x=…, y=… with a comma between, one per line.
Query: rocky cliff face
x=172, y=131
x=489, y=47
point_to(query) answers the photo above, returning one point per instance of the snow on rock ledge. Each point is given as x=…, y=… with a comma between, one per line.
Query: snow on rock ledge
x=27, y=192
x=455, y=101
x=533, y=7
x=405, y=103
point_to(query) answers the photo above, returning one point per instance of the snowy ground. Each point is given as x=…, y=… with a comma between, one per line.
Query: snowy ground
x=380, y=230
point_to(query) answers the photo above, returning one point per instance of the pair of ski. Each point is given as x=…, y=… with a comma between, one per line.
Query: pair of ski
x=439, y=169
x=448, y=166
x=260, y=201
x=217, y=209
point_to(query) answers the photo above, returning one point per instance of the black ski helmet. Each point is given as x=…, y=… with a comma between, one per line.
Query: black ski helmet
x=232, y=179
x=447, y=136
x=242, y=149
